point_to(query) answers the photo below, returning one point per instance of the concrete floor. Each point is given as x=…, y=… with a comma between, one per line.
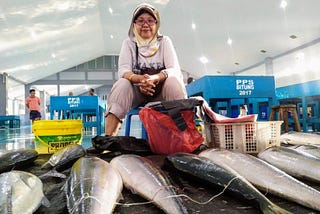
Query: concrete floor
x=199, y=191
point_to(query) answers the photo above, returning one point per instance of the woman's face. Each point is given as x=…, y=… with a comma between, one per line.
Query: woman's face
x=146, y=25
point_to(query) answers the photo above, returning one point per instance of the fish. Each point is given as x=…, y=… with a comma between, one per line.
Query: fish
x=143, y=177
x=300, y=138
x=16, y=159
x=93, y=186
x=266, y=177
x=292, y=162
x=63, y=159
x=21, y=192
x=311, y=150
x=223, y=176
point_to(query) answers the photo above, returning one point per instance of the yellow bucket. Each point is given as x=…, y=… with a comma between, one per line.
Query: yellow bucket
x=52, y=135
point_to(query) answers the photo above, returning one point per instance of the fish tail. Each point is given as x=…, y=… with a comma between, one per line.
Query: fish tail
x=272, y=208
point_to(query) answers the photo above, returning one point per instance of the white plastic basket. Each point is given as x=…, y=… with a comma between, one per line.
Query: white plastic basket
x=249, y=137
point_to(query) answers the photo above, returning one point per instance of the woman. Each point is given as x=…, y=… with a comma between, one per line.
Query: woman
x=148, y=69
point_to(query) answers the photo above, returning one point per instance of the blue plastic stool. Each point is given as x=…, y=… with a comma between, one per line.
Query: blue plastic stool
x=134, y=111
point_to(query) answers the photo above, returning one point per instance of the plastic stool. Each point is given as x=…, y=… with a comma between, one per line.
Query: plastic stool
x=283, y=111
x=134, y=111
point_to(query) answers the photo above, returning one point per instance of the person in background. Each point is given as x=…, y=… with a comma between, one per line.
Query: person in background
x=91, y=92
x=33, y=104
x=148, y=69
x=68, y=114
x=189, y=80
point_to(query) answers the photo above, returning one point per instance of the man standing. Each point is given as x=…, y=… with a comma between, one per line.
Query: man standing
x=33, y=104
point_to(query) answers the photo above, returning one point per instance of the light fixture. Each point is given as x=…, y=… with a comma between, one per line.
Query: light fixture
x=110, y=10
x=293, y=37
x=193, y=26
x=263, y=51
x=111, y=36
x=229, y=41
x=283, y=4
x=204, y=60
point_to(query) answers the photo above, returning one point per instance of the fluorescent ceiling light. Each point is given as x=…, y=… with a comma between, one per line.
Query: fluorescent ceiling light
x=283, y=4
x=193, y=26
x=204, y=60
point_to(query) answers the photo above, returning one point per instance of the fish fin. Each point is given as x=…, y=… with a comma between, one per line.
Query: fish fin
x=45, y=165
x=45, y=202
x=274, y=209
x=53, y=173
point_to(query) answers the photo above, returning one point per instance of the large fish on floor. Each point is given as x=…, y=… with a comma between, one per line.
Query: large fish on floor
x=311, y=150
x=15, y=159
x=93, y=186
x=266, y=177
x=63, y=159
x=206, y=169
x=292, y=162
x=300, y=138
x=20, y=192
x=140, y=175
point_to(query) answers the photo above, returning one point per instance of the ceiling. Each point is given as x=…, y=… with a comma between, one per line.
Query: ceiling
x=39, y=38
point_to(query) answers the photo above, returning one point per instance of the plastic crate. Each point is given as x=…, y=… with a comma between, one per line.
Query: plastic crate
x=249, y=137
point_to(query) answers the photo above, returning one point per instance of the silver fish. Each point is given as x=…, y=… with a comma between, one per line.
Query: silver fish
x=300, y=138
x=93, y=186
x=292, y=162
x=312, y=150
x=266, y=177
x=13, y=159
x=224, y=176
x=141, y=176
x=64, y=156
x=21, y=192
x=62, y=159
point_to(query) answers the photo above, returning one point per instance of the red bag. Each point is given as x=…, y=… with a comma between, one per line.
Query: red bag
x=165, y=137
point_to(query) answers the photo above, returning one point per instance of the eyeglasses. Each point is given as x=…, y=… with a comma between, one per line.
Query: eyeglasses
x=149, y=22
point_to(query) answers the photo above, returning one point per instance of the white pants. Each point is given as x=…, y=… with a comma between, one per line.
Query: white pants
x=124, y=95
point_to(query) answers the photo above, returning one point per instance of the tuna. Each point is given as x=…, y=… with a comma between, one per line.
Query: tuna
x=63, y=159
x=93, y=186
x=300, y=138
x=223, y=176
x=311, y=150
x=21, y=192
x=266, y=177
x=15, y=159
x=143, y=177
x=292, y=162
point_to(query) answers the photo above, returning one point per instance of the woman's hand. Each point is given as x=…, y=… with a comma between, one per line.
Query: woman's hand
x=148, y=83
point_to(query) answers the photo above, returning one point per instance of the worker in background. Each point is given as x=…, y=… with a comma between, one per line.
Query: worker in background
x=148, y=69
x=189, y=80
x=33, y=104
x=91, y=92
x=243, y=110
x=68, y=114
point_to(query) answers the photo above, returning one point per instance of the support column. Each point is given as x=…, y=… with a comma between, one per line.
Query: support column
x=43, y=105
x=3, y=94
x=269, y=66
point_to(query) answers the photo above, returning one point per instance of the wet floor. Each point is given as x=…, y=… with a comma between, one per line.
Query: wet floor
x=198, y=196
